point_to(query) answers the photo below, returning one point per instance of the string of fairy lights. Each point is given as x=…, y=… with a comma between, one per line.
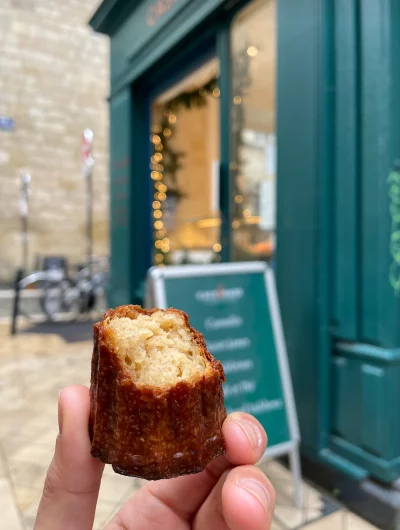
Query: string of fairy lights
x=161, y=242
x=165, y=161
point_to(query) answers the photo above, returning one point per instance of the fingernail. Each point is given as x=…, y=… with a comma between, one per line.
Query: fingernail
x=256, y=489
x=60, y=414
x=250, y=430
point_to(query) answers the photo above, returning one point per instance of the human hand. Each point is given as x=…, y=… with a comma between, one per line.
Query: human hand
x=230, y=494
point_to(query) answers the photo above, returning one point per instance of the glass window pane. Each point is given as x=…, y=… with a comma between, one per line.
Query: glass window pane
x=253, y=162
x=184, y=169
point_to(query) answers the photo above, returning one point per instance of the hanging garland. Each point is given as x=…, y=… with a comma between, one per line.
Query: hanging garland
x=164, y=131
x=166, y=161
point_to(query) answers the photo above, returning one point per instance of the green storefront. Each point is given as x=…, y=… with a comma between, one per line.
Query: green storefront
x=204, y=93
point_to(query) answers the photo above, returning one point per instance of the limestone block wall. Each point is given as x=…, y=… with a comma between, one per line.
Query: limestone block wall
x=54, y=84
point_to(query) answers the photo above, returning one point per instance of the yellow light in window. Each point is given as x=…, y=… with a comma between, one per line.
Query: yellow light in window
x=172, y=118
x=158, y=244
x=166, y=241
x=165, y=248
x=155, y=139
x=167, y=132
x=156, y=175
x=158, y=225
x=156, y=205
x=217, y=247
x=216, y=92
x=161, y=196
x=252, y=51
x=237, y=100
x=157, y=157
x=246, y=213
x=159, y=258
x=157, y=214
x=235, y=225
x=208, y=223
x=238, y=199
x=159, y=147
x=162, y=188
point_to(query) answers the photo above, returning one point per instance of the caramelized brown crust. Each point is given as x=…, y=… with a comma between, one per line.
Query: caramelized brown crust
x=149, y=432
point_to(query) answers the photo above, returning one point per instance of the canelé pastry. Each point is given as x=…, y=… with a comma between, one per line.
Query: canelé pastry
x=156, y=400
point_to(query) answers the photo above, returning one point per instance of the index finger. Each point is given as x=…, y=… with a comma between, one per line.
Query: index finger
x=245, y=441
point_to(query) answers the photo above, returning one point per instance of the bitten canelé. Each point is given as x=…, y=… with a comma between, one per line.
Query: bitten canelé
x=156, y=400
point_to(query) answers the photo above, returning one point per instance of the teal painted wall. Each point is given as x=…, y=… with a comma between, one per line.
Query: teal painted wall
x=298, y=130
x=338, y=138
x=365, y=306
x=121, y=228
x=380, y=309
x=366, y=387
x=345, y=300
x=130, y=198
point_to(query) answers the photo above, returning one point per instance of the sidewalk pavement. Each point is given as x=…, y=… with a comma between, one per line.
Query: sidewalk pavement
x=33, y=369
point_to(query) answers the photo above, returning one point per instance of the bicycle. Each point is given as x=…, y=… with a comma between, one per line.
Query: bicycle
x=66, y=298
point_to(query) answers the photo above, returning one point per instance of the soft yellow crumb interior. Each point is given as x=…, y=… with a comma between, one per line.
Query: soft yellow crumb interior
x=157, y=349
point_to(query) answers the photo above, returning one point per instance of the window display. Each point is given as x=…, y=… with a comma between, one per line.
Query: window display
x=184, y=168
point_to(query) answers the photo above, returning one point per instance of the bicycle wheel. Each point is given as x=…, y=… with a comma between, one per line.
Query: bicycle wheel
x=60, y=301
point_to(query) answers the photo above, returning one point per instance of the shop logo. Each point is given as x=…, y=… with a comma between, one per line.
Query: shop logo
x=157, y=9
x=220, y=294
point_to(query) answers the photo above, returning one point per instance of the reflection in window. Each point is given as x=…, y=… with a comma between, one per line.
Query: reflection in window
x=253, y=165
x=184, y=169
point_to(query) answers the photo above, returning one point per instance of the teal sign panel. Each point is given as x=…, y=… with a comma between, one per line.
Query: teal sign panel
x=232, y=311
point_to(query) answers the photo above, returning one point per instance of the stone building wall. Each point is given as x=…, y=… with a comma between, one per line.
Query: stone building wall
x=54, y=84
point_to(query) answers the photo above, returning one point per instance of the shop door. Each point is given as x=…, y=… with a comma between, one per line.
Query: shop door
x=184, y=169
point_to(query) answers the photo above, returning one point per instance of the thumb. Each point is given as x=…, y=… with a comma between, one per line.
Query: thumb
x=73, y=480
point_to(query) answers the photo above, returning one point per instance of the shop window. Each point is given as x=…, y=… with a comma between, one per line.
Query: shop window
x=253, y=162
x=184, y=169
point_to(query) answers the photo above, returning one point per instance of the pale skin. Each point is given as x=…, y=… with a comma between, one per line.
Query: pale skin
x=231, y=494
